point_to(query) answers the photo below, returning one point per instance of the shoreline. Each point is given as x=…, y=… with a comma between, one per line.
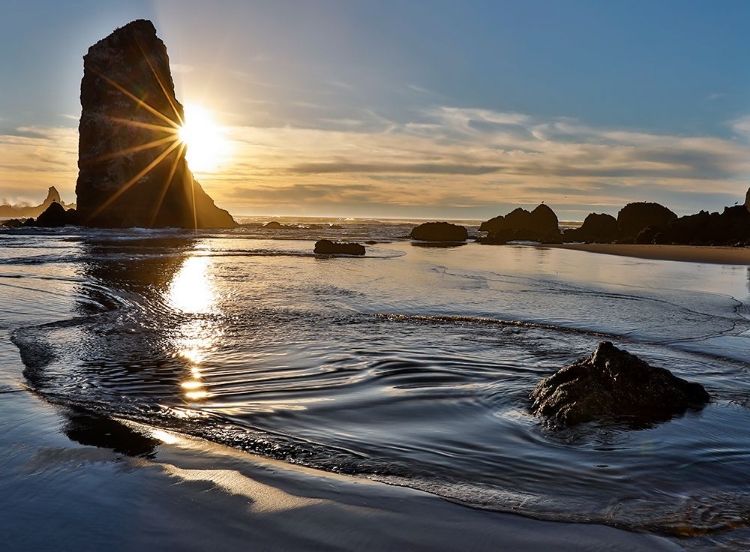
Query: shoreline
x=141, y=487
x=710, y=254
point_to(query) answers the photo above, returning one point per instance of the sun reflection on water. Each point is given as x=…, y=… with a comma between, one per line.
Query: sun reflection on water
x=192, y=293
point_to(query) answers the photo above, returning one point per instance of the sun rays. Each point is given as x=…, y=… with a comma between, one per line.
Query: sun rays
x=196, y=137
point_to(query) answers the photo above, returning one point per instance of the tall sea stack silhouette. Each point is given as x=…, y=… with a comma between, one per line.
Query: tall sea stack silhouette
x=131, y=162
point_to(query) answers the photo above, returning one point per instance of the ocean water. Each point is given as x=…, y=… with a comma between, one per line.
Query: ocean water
x=411, y=366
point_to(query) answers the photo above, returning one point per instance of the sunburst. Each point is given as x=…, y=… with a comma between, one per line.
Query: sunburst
x=197, y=137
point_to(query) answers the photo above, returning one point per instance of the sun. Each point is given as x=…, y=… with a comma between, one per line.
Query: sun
x=206, y=144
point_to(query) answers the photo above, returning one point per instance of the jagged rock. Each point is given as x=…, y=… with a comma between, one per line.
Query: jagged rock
x=635, y=217
x=53, y=216
x=747, y=200
x=613, y=385
x=53, y=196
x=439, y=232
x=328, y=247
x=132, y=168
x=599, y=228
x=12, y=223
x=541, y=224
x=732, y=227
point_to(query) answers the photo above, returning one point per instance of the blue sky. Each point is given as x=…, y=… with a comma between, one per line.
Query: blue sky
x=434, y=108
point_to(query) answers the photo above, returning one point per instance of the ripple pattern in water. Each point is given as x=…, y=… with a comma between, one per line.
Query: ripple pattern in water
x=411, y=365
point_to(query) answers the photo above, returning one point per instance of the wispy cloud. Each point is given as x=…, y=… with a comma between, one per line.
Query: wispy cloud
x=478, y=160
x=477, y=157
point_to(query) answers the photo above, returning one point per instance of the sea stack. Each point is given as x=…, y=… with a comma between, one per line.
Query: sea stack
x=132, y=168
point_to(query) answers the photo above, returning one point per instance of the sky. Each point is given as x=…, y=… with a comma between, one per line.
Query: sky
x=423, y=109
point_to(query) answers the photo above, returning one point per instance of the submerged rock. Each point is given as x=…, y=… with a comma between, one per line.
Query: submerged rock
x=439, y=232
x=132, y=168
x=613, y=384
x=328, y=247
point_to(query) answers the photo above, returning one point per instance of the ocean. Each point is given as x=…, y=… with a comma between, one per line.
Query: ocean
x=410, y=366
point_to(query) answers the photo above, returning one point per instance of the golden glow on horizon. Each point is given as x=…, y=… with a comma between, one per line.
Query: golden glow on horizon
x=204, y=138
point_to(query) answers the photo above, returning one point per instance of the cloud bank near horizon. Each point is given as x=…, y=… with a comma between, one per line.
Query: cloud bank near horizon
x=442, y=161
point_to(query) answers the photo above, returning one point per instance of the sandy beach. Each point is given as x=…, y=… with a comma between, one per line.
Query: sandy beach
x=683, y=253
x=73, y=481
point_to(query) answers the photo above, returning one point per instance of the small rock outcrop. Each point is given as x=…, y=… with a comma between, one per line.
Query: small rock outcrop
x=20, y=211
x=54, y=216
x=328, y=247
x=747, y=200
x=597, y=228
x=636, y=217
x=274, y=225
x=541, y=225
x=613, y=385
x=131, y=161
x=439, y=232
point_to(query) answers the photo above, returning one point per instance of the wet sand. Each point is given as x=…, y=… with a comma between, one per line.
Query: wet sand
x=684, y=253
x=74, y=481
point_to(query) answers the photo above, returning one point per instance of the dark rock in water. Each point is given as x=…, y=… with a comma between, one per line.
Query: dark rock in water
x=132, y=168
x=540, y=225
x=498, y=237
x=328, y=247
x=54, y=216
x=612, y=384
x=19, y=211
x=12, y=223
x=335, y=227
x=371, y=242
x=599, y=228
x=71, y=216
x=439, y=232
x=635, y=217
x=732, y=227
x=273, y=225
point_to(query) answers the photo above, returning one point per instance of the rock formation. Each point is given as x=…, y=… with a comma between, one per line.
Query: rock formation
x=54, y=216
x=132, y=168
x=53, y=196
x=747, y=200
x=635, y=217
x=613, y=385
x=541, y=225
x=598, y=228
x=328, y=247
x=439, y=232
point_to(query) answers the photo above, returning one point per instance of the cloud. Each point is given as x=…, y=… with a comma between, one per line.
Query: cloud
x=741, y=125
x=391, y=168
x=479, y=159
x=477, y=162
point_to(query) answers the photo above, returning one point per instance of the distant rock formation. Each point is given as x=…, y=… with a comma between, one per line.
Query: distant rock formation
x=635, y=217
x=22, y=211
x=328, y=247
x=613, y=385
x=54, y=215
x=541, y=225
x=732, y=227
x=274, y=225
x=439, y=232
x=132, y=168
x=597, y=228
x=747, y=199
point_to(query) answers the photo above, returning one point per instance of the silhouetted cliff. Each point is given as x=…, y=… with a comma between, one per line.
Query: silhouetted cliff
x=132, y=168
